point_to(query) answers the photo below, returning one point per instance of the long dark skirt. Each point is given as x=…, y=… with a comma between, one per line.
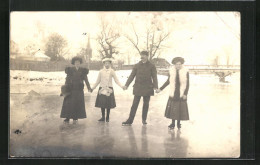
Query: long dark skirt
x=177, y=109
x=74, y=105
x=104, y=101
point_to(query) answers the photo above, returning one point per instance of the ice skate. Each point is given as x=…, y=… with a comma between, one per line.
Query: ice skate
x=75, y=121
x=66, y=121
x=171, y=126
x=102, y=119
x=179, y=126
x=144, y=122
x=127, y=123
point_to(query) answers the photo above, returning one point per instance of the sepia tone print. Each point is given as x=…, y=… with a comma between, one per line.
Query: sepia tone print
x=124, y=84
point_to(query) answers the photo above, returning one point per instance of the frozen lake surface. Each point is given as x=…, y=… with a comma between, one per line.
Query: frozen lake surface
x=212, y=131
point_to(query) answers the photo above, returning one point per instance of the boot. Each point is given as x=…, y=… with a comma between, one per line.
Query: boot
x=144, y=122
x=108, y=112
x=127, y=123
x=102, y=119
x=75, y=121
x=171, y=126
x=179, y=124
x=67, y=120
x=103, y=115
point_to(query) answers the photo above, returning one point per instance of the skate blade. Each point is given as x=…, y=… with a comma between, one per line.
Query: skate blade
x=126, y=124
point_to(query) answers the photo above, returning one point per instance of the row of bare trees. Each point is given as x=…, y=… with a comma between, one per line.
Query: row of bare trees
x=151, y=39
x=109, y=38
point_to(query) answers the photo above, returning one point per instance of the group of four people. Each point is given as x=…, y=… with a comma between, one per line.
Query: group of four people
x=146, y=83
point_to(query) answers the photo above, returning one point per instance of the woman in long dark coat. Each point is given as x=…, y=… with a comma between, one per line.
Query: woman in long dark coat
x=74, y=104
x=177, y=108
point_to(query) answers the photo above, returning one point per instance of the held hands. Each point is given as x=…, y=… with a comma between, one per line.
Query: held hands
x=124, y=87
x=91, y=89
x=184, y=97
x=158, y=90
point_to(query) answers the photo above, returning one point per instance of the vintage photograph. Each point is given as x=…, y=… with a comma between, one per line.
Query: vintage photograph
x=124, y=85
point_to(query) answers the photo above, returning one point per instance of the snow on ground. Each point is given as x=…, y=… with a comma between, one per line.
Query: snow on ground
x=25, y=81
x=212, y=131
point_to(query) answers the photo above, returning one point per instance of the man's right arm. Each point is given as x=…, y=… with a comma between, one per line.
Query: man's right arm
x=132, y=76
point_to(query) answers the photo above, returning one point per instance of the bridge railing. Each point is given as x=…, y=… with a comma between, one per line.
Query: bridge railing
x=213, y=66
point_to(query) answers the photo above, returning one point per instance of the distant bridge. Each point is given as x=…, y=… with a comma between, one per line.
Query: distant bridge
x=222, y=71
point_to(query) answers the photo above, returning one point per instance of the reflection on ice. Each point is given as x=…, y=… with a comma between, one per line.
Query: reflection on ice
x=175, y=146
x=145, y=141
x=104, y=143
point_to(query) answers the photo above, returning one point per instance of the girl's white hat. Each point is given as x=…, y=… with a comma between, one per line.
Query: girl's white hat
x=107, y=59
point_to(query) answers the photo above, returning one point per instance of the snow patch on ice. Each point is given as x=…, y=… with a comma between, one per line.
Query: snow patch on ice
x=33, y=93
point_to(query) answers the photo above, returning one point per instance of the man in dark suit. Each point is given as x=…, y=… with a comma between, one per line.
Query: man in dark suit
x=146, y=82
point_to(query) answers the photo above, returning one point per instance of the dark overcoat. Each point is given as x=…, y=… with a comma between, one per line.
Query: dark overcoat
x=145, y=75
x=74, y=104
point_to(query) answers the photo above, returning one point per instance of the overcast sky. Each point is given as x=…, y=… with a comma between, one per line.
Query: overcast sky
x=197, y=36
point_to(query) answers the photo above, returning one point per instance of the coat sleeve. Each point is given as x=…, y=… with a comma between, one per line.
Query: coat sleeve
x=116, y=79
x=68, y=80
x=67, y=70
x=132, y=76
x=154, y=77
x=85, y=77
x=166, y=83
x=188, y=85
x=97, y=81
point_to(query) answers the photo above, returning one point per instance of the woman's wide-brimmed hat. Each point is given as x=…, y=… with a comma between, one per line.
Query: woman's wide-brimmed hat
x=177, y=59
x=107, y=59
x=76, y=59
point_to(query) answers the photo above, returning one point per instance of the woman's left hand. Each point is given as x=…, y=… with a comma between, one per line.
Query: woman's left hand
x=184, y=97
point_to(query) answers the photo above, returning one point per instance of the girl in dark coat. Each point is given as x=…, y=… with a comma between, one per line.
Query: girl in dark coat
x=74, y=104
x=177, y=108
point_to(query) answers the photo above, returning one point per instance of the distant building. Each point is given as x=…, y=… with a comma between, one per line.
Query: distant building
x=87, y=54
x=160, y=62
x=88, y=51
x=38, y=56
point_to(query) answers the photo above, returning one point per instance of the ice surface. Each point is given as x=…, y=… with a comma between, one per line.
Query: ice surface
x=212, y=131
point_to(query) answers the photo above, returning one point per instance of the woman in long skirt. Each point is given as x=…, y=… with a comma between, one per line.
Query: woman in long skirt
x=177, y=108
x=105, y=97
x=74, y=104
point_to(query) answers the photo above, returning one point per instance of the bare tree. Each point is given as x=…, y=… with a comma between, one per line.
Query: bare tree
x=230, y=28
x=153, y=38
x=107, y=39
x=55, y=47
